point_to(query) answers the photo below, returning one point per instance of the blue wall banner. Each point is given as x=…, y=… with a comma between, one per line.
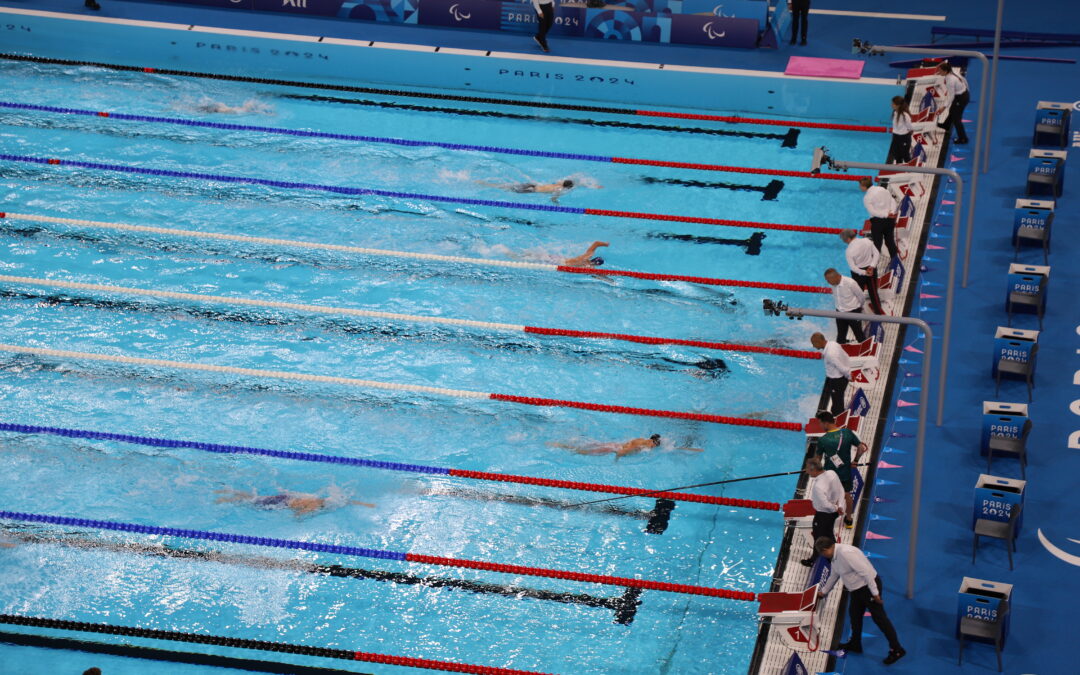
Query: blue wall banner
x=758, y=10
x=313, y=7
x=483, y=14
x=234, y=4
x=714, y=31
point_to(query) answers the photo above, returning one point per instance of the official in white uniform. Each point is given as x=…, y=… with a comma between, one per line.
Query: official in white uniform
x=900, y=148
x=837, y=374
x=863, y=584
x=827, y=496
x=862, y=259
x=881, y=208
x=957, y=96
x=847, y=297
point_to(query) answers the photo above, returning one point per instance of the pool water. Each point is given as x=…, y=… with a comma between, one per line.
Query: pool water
x=274, y=595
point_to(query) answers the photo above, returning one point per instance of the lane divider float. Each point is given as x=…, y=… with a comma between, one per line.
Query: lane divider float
x=261, y=645
x=385, y=465
x=413, y=318
x=731, y=119
x=293, y=544
x=513, y=264
x=407, y=142
x=395, y=386
x=340, y=189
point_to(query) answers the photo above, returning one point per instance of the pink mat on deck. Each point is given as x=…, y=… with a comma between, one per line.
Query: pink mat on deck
x=850, y=69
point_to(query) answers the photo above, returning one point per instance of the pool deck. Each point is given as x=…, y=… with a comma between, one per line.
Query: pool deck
x=1045, y=583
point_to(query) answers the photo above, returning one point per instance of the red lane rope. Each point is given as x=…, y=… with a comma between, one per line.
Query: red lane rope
x=713, y=221
x=735, y=119
x=582, y=576
x=708, y=281
x=648, y=412
x=734, y=169
x=615, y=489
x=432, y=664
x=642, y=339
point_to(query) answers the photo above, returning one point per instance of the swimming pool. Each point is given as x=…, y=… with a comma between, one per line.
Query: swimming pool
x=474, y=618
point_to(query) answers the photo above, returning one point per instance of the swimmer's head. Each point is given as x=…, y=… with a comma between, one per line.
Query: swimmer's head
x=568, y=183
x=655, y=438
x=597, y=260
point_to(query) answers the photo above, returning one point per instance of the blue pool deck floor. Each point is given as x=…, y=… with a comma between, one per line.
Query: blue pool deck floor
x=1046, y=587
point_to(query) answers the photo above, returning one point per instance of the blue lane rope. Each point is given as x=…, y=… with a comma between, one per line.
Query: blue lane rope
x=340, y=189
x=305, y=134
x=221, y=449
x=204, y=534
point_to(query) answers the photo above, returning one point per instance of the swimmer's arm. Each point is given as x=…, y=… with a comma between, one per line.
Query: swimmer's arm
x=367, y=504
x=691, y=449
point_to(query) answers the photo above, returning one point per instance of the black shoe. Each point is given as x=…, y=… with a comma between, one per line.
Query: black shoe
x=807, y=562
x=803, y=42
x=91, y=4
x=542, y=43
x=854, y=647
x=894, y=656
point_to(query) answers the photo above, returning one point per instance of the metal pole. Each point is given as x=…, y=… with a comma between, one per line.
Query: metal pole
x=993, y=87
x=920, y=434
x=982, y=128
x=949, y=288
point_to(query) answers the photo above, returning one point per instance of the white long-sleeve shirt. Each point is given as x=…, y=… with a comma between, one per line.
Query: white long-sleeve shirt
x=954, y=84
x=826, y=492
x=861, y=253
x=878, y=202
x=837, y=362
x=847, y=296
x=536, y=4
x=901, y=124
x=850, y=565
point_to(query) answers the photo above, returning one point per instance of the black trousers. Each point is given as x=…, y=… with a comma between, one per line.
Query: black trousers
x=842, y=326
x=884, y=230
x=859, y=602
x=899, y=149
x=832, y=395
x=800, y=11
x=824, y=526
x=545, y=19
x=956, y=117
x=868, y=282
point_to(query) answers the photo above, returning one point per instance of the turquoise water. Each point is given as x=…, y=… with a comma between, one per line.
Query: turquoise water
x=260, y=594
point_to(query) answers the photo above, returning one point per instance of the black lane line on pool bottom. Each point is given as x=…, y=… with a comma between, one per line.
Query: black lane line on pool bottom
x=789, y=139
x=169, y=655
x=752, y=244
x=623, y=605
x=769, y=192
x=658, y=518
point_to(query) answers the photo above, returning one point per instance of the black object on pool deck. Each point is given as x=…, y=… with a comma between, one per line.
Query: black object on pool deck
x=689, y=487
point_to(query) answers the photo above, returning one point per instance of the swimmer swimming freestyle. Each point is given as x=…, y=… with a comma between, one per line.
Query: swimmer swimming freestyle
x=632, y=447
x=300, y=503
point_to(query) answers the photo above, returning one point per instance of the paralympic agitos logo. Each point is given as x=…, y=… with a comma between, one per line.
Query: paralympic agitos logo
x=458, y=14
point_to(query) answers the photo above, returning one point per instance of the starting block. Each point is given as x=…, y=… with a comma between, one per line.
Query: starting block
x=794, y=614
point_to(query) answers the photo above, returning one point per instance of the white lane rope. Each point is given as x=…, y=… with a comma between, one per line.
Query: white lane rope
x=322, y=309
x=78, y=222
x=252, y=372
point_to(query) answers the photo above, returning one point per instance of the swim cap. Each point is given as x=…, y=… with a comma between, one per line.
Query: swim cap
x=597, y=261
x=655, y=438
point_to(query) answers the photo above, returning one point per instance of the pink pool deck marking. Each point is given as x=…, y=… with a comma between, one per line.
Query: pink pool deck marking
x=811, y=66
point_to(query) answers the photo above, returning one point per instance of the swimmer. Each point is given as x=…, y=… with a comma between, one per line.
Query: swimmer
x=556, y=189
x=301, y=504
x=249, y=106
x=588, y=258
x=632, y=447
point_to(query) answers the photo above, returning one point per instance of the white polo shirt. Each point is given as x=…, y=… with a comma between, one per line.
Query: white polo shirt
x=847, y=296
x=878, y=202
x=901, y=124
x=837, y=363
x=826, y=492
x=861, y=253
x=850, y=565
